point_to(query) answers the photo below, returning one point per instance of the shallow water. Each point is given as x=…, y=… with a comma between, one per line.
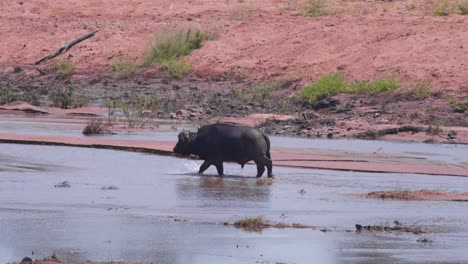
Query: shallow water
x=139, y=220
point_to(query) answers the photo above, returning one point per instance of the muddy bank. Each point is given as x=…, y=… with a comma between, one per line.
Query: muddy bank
x=262, y=57
x=421, y=195
x=279, y=113
x=55, y=259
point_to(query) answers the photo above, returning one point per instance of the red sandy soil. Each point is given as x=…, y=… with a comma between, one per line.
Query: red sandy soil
x=421, y=195
x=281, y=157
x=257, y=39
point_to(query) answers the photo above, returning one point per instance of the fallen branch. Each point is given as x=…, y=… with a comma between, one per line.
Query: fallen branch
x=66, y=47
x=373, y=134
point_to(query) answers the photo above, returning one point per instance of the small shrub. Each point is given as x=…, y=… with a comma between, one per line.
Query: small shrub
x=411, y=7
x=123, y=69
x=463, y=7
x=459, y=107
x=172, y=45
x=10, y=93
x=251, y=223
x=332, y=84
x=442, y=8
x=375, y=87
x=422, y=90
x=315, y=8
x=290, y=5
x=64, y=97
x=65, y=68
x=176, y=68
x=326, y=86
x=96, y=127
x=139, y=109
x=263, y=90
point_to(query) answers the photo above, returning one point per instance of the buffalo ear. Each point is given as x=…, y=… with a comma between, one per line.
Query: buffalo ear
x=192, y=135
x=183, y=136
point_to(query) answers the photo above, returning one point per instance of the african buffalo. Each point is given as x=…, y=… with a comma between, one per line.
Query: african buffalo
x=217, y=143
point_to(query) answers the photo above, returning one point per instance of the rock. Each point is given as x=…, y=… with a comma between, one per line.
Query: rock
x=194, y=110
x=182, y=112
x=64, y=184
x=109, y=188
x=452, y=134
x=174, y=116
x=245, y=107
x=325, y=103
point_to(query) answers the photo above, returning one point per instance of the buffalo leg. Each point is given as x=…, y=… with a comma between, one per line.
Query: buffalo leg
x=260, y=169
x=204, y=166
x=269, y=165
x=220, y=168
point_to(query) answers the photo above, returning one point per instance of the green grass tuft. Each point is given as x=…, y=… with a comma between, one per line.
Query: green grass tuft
x=326, y=86
x=442, y=8
x=332, y=84
x=176, y=68
x=65, y=68
x=315, y=8
x=172, y=45
x=123, y=69
x=422, y=90
x=374, y=87
x=463, y=7
x=251, y=223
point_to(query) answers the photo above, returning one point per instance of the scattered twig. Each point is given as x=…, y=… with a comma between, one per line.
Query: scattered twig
x=66, y=47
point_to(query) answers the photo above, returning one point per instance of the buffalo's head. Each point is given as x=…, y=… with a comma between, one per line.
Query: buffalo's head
x=184, y=145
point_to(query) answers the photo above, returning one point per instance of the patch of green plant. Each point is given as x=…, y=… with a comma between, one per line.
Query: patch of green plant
x=442, y=8
x=374, y=87
x=96, y=127
x=288, y=6
x=463, y=7
x=176, y=68
x=63, y=96
x=65, y=68
x=251, y=223
x=315, y=8
x=327, y=85
x=123, y=69
x=459, y=107
x=332, y=84
x=171, y=45
x=262, y=91
x=411, y=7
x=422, y=90
x=10, y=93
x=138, y=109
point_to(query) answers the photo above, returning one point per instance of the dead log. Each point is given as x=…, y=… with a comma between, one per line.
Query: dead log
x=66, y=47
x=373, y=134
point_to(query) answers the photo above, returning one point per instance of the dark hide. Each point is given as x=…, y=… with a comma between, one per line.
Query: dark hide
x=218, y=143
